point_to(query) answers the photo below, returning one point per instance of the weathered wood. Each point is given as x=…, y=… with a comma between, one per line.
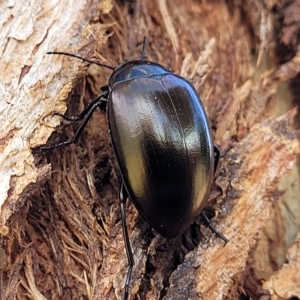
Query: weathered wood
x=32, y=86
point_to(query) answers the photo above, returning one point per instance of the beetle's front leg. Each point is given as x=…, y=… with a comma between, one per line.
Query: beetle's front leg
x=85, y=115
x=123, y=196
x=79, y=117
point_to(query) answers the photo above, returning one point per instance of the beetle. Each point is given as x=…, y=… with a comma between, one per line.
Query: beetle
x=163, y=144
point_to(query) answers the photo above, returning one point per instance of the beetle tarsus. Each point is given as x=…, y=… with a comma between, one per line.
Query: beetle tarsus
x=208, y=223
x=71, y=119
x=66, y=143
x=123, y=196
x=126, y=294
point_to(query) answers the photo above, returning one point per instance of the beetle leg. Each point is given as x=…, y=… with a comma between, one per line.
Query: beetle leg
x=219, y=154
x=224, y=152
x=207, y=222
x=73, y=119
x=216, y=157
x=123, y=196
x=85, y=115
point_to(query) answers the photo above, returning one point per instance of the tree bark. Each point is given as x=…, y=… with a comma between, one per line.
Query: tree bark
x=61, y=235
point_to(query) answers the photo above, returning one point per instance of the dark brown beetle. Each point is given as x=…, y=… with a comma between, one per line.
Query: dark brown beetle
x=163, y=143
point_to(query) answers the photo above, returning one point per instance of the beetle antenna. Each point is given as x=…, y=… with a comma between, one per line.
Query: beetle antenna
x=83, y=59
x=143, y=54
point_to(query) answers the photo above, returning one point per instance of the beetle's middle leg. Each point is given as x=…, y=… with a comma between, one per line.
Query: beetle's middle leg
x=123, y=197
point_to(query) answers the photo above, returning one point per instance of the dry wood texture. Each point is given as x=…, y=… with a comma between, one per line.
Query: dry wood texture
x=60, y=228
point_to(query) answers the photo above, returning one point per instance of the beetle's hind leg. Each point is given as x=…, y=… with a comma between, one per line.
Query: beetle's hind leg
x=123, y=196
x=85, y=115
x=207, y=222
